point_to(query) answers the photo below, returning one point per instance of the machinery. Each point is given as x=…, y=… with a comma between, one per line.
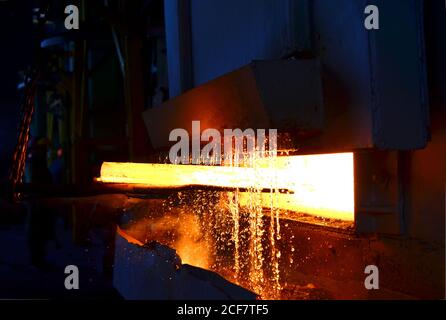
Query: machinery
x=355, y=179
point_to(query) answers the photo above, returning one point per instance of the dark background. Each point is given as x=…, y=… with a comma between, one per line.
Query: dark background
x=16, y=36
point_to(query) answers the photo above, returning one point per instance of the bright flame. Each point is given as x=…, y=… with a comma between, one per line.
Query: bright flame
x=322, y=185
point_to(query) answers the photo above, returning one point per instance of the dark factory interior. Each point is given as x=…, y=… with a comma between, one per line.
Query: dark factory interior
x=117, y=180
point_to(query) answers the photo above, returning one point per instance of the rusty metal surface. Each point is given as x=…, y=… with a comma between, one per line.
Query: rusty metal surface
x=284, y=95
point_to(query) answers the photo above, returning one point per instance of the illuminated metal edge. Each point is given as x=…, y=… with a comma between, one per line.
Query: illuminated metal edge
x=272, y=94
x=98, y=188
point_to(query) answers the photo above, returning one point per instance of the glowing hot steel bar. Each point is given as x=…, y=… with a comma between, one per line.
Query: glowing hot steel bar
x=171, y=175
x=321, y=185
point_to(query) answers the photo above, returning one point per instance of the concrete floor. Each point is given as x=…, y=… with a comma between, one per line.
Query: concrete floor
x=21, y=280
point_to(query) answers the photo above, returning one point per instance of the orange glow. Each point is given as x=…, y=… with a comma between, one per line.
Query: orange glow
x=181, y=233
x=322, y=185
x=172, y=175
